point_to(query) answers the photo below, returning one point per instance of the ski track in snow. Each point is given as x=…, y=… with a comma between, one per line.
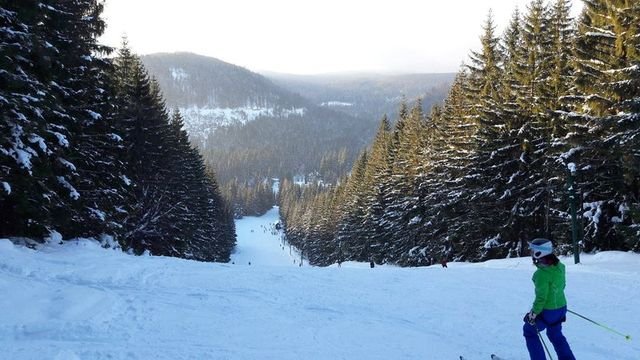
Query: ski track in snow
x=78, y=301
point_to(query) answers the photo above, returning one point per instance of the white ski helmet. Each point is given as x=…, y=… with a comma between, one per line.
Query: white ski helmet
x=540, y=248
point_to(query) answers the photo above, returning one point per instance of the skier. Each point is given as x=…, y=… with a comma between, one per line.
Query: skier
x=550, y=305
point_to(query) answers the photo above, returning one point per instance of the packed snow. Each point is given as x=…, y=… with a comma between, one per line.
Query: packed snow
x=76, y=300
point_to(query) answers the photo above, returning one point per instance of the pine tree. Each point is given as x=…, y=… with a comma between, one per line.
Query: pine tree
x=490, y=160
x=605, y=114
x=351, y=211
x=55, y=70
x=375, y=185
x=25, y=62
x=143, y=121
x=409, y=167
x=96, y=148
x=451, y=133
x=561, y=77
x=512, y=53
x=539, y=79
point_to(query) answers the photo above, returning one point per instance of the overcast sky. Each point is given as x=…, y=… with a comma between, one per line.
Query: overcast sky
x=311, y=36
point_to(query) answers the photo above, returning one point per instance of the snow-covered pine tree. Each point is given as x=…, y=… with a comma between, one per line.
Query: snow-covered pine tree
x=377, y=178
x=217, y=224
x=351, y=213
x=451, y=132
x=143, y=123
x=517, y=127
x=400, y=185
x=92, y=162
x=177, y=208
x=319, y=245
x=490, y=158
x=409, y=170
x=55, y=122
x=606, y=121
x=525, y=183
x=340, y=252
x=24, y=100
x=561, y=29
x=198, y=221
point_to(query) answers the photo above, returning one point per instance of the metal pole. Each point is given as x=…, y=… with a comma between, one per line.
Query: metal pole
x=627, y=337
x=574, y=219
x=543, y=342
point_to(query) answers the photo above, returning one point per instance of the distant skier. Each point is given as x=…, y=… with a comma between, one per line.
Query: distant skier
x=549, y=308
x=443, y=262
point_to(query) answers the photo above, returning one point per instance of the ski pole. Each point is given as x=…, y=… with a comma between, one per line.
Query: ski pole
x=543, y=343
x=627, y=337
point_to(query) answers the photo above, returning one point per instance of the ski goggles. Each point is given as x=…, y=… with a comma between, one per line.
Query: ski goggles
x=539, y=250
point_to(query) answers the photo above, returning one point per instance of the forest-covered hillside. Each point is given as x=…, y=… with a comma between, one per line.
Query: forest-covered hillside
x=538, y=137
x=189, y=79
x=211, y=93
x=251, y=130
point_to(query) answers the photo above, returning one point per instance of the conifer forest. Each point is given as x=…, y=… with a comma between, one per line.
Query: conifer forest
x=87, y=147
x=542, y=119
x=539, y=136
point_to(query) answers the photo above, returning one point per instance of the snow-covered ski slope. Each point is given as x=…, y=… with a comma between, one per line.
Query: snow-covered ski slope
x=79, y=301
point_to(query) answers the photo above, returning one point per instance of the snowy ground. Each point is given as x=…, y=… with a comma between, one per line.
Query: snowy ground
x=78, y=301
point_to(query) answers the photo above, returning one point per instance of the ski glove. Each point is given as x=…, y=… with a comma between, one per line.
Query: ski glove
x=530, y=317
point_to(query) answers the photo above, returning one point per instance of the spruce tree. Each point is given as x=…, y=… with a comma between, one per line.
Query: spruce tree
x=351, y=212
x=375, y=185
x=409, y=167
x=25, y=61
x=451, y=133
x=65, y=175
x=490, y=159
x=605, y=114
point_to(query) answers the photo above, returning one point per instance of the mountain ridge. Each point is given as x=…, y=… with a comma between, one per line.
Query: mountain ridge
x=367, y=95
x=251, y=127
x=211, y=93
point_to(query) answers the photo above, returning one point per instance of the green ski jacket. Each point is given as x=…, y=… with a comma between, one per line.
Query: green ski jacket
x=549, y=282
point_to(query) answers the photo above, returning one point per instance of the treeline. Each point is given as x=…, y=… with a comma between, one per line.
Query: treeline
x=551, y=101
x=87, y=148
x=274, y=147
x=248, y=155
x=249, y=198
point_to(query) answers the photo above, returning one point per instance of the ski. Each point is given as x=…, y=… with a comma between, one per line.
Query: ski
x=493, y=357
